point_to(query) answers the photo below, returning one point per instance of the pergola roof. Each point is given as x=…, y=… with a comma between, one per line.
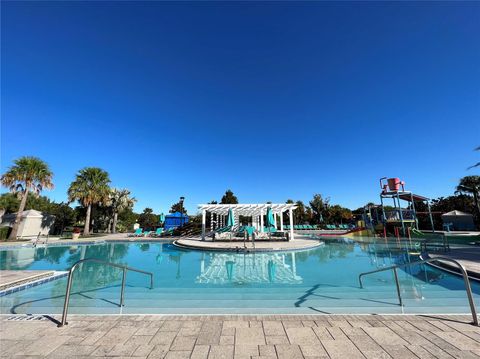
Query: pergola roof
x=247, y=209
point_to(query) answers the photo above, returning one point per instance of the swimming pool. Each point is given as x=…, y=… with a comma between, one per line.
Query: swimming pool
x=320, y=280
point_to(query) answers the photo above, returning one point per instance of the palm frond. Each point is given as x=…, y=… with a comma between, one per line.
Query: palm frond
x=475, y=165
x=28, y=173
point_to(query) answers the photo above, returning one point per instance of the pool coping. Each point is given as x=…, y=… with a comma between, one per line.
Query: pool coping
x=82, y=242
x=447, y=267
x=33, y=283
x=241, y=249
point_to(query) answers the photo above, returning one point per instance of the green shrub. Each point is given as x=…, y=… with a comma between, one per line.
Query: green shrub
x=4, y=231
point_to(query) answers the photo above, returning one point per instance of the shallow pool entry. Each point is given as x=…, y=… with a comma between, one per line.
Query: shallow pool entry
x=320, y=280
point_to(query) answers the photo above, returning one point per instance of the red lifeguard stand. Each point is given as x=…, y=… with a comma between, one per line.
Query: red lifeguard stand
x=393, y=188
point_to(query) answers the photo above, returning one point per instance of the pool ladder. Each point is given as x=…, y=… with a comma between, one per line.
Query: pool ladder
x=463, y=271
x=122, y=293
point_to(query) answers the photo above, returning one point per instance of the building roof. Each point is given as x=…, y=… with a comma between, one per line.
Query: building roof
x=175, y=214
x=457, y=213
x=247, y=209
x=27, y=213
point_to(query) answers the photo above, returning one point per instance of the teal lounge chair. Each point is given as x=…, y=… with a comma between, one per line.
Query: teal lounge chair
x=138, y=233
x=157, y=233
x=223, y=229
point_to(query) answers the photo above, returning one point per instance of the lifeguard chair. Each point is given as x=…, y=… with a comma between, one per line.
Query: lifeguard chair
x=394, y=188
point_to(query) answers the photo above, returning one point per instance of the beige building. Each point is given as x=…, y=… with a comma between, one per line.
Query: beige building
x=32, y=223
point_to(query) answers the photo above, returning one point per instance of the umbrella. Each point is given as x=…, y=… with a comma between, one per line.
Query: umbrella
x=230, y=219
x=270, y=220
x=162, y=218
x=229, y=265
x=272, y=268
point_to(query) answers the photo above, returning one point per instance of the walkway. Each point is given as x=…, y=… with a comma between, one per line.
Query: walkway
x=213, y=337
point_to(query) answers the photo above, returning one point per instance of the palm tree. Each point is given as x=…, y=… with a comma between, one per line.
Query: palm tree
x=478, y=163
x=470, y=185
x=91, y=186
x=120, y=200
x=27, y=174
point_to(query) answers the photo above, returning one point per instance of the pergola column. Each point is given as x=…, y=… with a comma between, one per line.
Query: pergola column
x=290, y=213
x=204, y=219
x=275, y=220
x=281, y=221
x=261, y=221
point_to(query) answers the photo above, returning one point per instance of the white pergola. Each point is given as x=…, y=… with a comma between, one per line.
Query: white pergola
x=256, y=211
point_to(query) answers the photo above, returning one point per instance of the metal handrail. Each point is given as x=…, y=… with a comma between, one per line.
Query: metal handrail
x=122, y=293
x=35, y=243
x=466, y=281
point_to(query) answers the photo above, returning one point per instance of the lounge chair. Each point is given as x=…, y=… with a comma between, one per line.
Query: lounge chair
x=222, y=233
x=157, y=233
x=169, y=231
x=138, y=233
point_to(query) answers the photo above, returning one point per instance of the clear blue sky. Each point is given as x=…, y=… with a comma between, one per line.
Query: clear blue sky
x=273, y=100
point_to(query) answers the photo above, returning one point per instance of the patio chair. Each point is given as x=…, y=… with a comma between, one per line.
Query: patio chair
x=138, y=233
x=157, y=233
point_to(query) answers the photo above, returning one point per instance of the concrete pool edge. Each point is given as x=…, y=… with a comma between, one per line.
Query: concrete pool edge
x=238, y=246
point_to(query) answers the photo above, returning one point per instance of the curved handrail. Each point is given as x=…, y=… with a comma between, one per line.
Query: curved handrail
x=466, y=281
x=70, y=280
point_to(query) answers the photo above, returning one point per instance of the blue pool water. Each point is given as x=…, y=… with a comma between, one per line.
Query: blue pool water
x=321, y=280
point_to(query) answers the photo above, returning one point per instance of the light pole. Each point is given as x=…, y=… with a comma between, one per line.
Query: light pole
x=181, y=210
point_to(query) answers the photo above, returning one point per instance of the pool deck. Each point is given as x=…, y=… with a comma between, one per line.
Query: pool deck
x=296, y=244
x=238, y=337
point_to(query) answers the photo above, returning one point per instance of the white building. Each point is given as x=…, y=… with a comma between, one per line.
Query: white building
x=32, y=223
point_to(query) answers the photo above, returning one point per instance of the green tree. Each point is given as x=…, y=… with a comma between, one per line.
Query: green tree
x=10, y=202
x=299, y=213
x=64, y=217
x=229, y=198
x=126, y=219
x=339, y=214
x=28, y=174
x=147, y=219
x=319, y=207
x=470, y=185
x=178, y=207
x=90, y=187
x=120, y=200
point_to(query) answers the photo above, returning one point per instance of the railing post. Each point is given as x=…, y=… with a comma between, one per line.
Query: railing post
x=122, y=293
x=469, y=293
x=67, y=298
x=395, y=274
x=151, y=281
